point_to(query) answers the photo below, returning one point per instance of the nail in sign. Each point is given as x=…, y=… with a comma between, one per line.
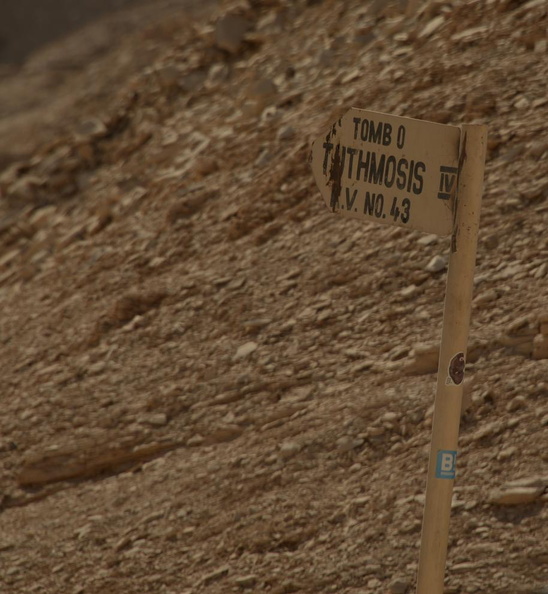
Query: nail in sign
x=389, y=169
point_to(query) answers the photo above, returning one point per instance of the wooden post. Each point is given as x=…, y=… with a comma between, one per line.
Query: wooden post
x=456, y=323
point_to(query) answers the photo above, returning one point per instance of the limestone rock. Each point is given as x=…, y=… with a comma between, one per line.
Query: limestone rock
x=436, y=264
x=246, y=581
x=540, y=347
x=398, y=586
x=515, y=495
x=286, y=133
x=288, y=449
x=154, y=419
x=245, y=350
x=425, y=358
x=519, y=492
x=431, y=27
x=215, y=575
x=230, y=32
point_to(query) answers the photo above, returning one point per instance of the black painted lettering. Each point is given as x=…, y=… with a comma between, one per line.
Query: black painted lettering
x=375, y=134
x=369, y=203
x=363, y=166
x=350, y=200
x=403, y=166
x=376, y=171
x=364, y=130
x=356, y=127
x=328, y=146
x=448, y=181
x=395, y=210
x=390, y=171
x=335, y=178
x=406, y=204
x=351, y=152
x=402, y=214
x=411, y=174
x=379, y=206
x=420, y=168
x=387, y=134
x=400, y=139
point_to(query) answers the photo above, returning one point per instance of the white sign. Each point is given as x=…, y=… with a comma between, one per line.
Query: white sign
x=389, y=169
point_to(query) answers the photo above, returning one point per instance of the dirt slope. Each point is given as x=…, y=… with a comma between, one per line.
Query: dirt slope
x=26, y=25
x=210, y=383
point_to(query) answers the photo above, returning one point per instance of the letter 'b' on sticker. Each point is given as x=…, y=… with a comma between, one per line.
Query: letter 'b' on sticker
x=446, y=463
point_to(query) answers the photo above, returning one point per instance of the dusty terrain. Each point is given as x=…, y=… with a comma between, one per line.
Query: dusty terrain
x=27, y=25
x=211, y=384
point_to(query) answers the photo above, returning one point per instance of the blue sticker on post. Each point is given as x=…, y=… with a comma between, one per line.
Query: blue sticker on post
x=446, y=464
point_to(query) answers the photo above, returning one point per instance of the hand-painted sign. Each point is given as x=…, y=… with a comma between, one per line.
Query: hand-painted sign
x=389, y=169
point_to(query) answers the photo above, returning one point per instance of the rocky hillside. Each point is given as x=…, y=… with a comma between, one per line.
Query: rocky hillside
x=210, y=384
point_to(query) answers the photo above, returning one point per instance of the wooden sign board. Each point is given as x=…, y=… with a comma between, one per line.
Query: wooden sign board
x=404, y=172
x=389, y=169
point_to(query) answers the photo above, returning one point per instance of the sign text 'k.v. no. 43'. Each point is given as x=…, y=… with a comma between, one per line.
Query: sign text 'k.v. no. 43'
x=428, y=177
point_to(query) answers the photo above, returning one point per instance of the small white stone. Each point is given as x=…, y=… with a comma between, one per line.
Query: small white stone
x=246, y=581
x=345, y=443
x=427, y=239
x=541, y=46
x=286, y=133
x=398, y=586
x=507, y=453
x=409, y=291
x=540, y=272
x=521, y=103
x=432, y=26
x=195, y=440
x=246, y=349
x=288, y=449
x=154, y=419
x=486, y=297
x=515, y=495
x=516, y=403
x=436, y=264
